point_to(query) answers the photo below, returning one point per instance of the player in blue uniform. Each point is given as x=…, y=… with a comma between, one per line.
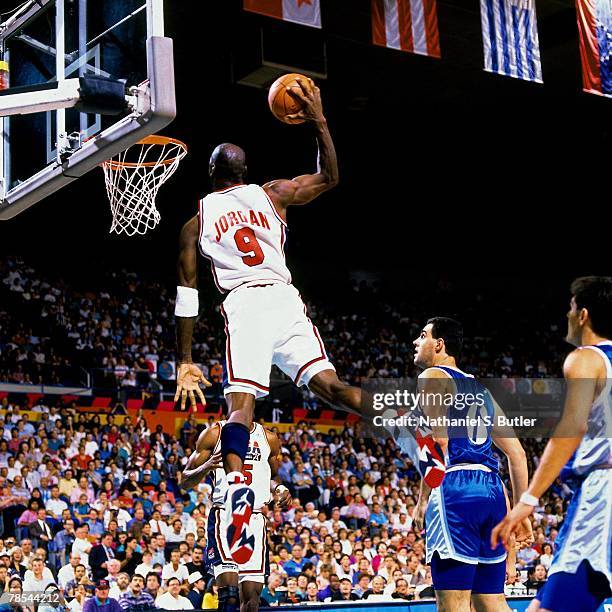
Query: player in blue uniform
x=460, y=514
x=580, y=576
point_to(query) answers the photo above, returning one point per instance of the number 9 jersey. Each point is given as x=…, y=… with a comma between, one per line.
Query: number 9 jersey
x=266, y=322
x=243, y=236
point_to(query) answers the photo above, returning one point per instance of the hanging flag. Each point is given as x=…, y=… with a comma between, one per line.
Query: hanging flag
x=306, y=12
x=510, y=39
x=406, y=25
x=595, y=30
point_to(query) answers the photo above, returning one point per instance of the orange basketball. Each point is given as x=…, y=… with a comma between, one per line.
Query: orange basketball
x=281, y=103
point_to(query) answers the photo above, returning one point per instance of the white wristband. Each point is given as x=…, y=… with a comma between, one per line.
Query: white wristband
x=530, y=500
x=187, y=304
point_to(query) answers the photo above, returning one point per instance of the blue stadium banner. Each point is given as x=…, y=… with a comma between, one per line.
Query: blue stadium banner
x=510, y=39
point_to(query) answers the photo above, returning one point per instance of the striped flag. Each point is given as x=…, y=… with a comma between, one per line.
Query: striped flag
x=305, y=12
x=510, y=39
x=595, y=29
x=406, y=25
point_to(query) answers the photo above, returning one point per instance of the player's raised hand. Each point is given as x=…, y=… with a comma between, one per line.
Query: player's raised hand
x=188, y=381
x=503, y=531
x=310, y=98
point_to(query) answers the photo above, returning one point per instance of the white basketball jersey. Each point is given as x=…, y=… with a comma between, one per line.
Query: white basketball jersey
x=256, y=469
x=243, y=237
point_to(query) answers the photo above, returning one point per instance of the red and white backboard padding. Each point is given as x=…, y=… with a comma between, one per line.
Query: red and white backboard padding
x=88, y=80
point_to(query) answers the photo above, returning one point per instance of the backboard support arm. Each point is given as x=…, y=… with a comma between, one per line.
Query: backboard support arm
x=156, y=102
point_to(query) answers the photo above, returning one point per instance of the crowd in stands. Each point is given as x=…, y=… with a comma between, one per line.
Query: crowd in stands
x=51, y=331
x=94, y=506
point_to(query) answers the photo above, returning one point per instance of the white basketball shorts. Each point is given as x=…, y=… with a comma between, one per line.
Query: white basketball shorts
x=266, y=324
x=218, y=550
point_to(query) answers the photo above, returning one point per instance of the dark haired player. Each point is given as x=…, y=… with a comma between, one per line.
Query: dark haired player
x=580, y=576
x=460, y=514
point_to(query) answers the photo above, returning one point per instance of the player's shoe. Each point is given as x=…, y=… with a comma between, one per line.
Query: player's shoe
x=431, y=458
x=239, y=503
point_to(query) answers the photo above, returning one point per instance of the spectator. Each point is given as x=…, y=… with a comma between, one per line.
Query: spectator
x=345, y=593
x=377, y=588
x=101, y=602
x=197, y=587
x=82, y=545
x=120, y=586
x=130, y=557
x=36, y=579
x=79, y=573
x=270, y=595
x=536, y=579
x=547, y=556
x=136, y=598
x=40, y=529
x=294, y=566
x=401, y=590
x=153, y=584
x=175, y=569
x=172, y=600
x=100, y=554
x=291, y=595
x=211, y=597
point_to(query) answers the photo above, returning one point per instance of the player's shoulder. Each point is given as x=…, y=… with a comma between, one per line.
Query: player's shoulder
x=584, y=362
x=434, y=372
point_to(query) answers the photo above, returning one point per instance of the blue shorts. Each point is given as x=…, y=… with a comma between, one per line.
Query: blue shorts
x=585, y=590
x=461, y=515
x=484, y=578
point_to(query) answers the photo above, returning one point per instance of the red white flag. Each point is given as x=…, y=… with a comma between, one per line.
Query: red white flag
x=406, y=25
x=306, y=12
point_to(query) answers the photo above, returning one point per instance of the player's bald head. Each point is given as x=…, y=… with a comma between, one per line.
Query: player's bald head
x=228, y=161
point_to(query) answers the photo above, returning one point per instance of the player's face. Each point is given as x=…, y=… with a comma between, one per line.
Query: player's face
x=574, y=334
x=424, y=348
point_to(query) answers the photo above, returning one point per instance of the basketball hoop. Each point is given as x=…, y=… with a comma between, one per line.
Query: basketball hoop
x=133, y=178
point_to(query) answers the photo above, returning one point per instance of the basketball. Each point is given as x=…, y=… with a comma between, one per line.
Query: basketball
x=281, y=102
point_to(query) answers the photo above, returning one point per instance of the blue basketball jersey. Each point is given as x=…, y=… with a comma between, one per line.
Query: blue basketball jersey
x=470, y=443
x=595, y=449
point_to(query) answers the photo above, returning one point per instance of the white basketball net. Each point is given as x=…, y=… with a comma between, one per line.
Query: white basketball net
x=133, y=178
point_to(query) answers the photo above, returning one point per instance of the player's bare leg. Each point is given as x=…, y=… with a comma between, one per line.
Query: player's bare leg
x=240, y=498
x=490, y=602
x=229, y=598
x=249, y=596
x=241, y=407
x=331, y=389
x=534, y=606
x=453, y=601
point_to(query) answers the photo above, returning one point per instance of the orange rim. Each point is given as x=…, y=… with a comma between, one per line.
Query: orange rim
x=154, y=139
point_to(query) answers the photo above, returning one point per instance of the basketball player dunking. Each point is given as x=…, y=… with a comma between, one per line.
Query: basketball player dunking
x=580, y=577
x=240, y=228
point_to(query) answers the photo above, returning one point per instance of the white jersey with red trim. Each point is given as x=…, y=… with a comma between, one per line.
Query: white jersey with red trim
x=243, y=236
x=256, y=468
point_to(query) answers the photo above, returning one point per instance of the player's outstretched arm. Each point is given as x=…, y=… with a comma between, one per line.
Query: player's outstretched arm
x=202, y=461
x=581, y=369
x=189, y=376
x=307, y=187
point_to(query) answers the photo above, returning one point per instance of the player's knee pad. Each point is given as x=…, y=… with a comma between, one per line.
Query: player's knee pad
x=235, y=439
x=229, y=599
